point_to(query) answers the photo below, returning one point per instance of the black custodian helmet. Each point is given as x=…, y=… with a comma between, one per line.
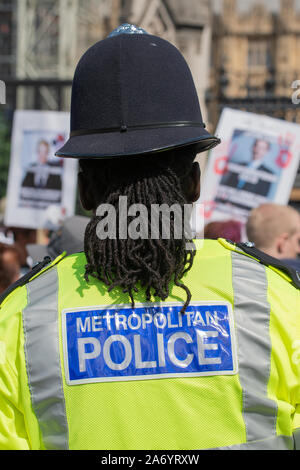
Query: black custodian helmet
x=133, y=93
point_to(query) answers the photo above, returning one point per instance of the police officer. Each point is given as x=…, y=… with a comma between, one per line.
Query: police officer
x=147, y=340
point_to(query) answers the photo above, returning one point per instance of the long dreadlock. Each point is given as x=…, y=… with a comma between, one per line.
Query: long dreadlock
x=152, y=263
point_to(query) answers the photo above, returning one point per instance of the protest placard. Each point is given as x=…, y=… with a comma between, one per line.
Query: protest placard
x=41, y=187
x=256, y=163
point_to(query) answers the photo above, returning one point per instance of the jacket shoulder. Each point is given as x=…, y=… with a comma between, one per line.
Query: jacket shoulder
x=249, y=249
x=37, y=270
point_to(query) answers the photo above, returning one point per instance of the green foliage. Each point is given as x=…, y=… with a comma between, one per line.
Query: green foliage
x=4, y=153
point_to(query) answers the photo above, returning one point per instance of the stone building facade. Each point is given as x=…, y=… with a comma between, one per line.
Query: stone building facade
x=53, y=34
x=255, y=57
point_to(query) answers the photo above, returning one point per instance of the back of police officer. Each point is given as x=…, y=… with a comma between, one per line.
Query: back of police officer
x=147, y=340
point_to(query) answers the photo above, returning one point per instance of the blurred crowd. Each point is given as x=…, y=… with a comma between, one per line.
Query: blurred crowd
x=271, y=228
x=20, y=249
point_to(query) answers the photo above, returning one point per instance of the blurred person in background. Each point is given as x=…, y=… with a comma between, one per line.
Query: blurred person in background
x=275, y=230
x=22, y=237
x=68, y=238
x=230, y=230
x=10, y=265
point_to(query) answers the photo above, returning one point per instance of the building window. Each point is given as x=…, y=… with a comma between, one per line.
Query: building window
x=259, y=54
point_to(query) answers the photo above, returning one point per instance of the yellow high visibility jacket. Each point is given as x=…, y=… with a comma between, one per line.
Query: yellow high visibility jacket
x=81, y=369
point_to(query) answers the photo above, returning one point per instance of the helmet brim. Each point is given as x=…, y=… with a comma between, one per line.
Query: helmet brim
x=136, y=142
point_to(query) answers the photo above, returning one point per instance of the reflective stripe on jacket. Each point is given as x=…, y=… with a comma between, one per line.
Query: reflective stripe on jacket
x=252, y=403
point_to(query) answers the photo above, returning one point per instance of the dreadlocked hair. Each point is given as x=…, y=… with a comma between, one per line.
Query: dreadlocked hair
x=151, y=264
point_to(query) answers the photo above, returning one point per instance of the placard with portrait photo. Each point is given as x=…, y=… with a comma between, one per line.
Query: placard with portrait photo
x=256, y=163
x=41, y=187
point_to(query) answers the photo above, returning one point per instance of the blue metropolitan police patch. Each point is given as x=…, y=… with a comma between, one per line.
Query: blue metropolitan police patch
x=153, y=341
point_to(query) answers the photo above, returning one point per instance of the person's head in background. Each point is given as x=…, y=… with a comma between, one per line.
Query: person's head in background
x=43, y=149
x=260, y=149
x=275, y=230
x=23, y=237
x=10, y=265
x=230, y=230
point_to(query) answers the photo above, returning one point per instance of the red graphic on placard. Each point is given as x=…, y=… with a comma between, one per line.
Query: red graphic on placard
x=284, y=157
x=221, y=165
